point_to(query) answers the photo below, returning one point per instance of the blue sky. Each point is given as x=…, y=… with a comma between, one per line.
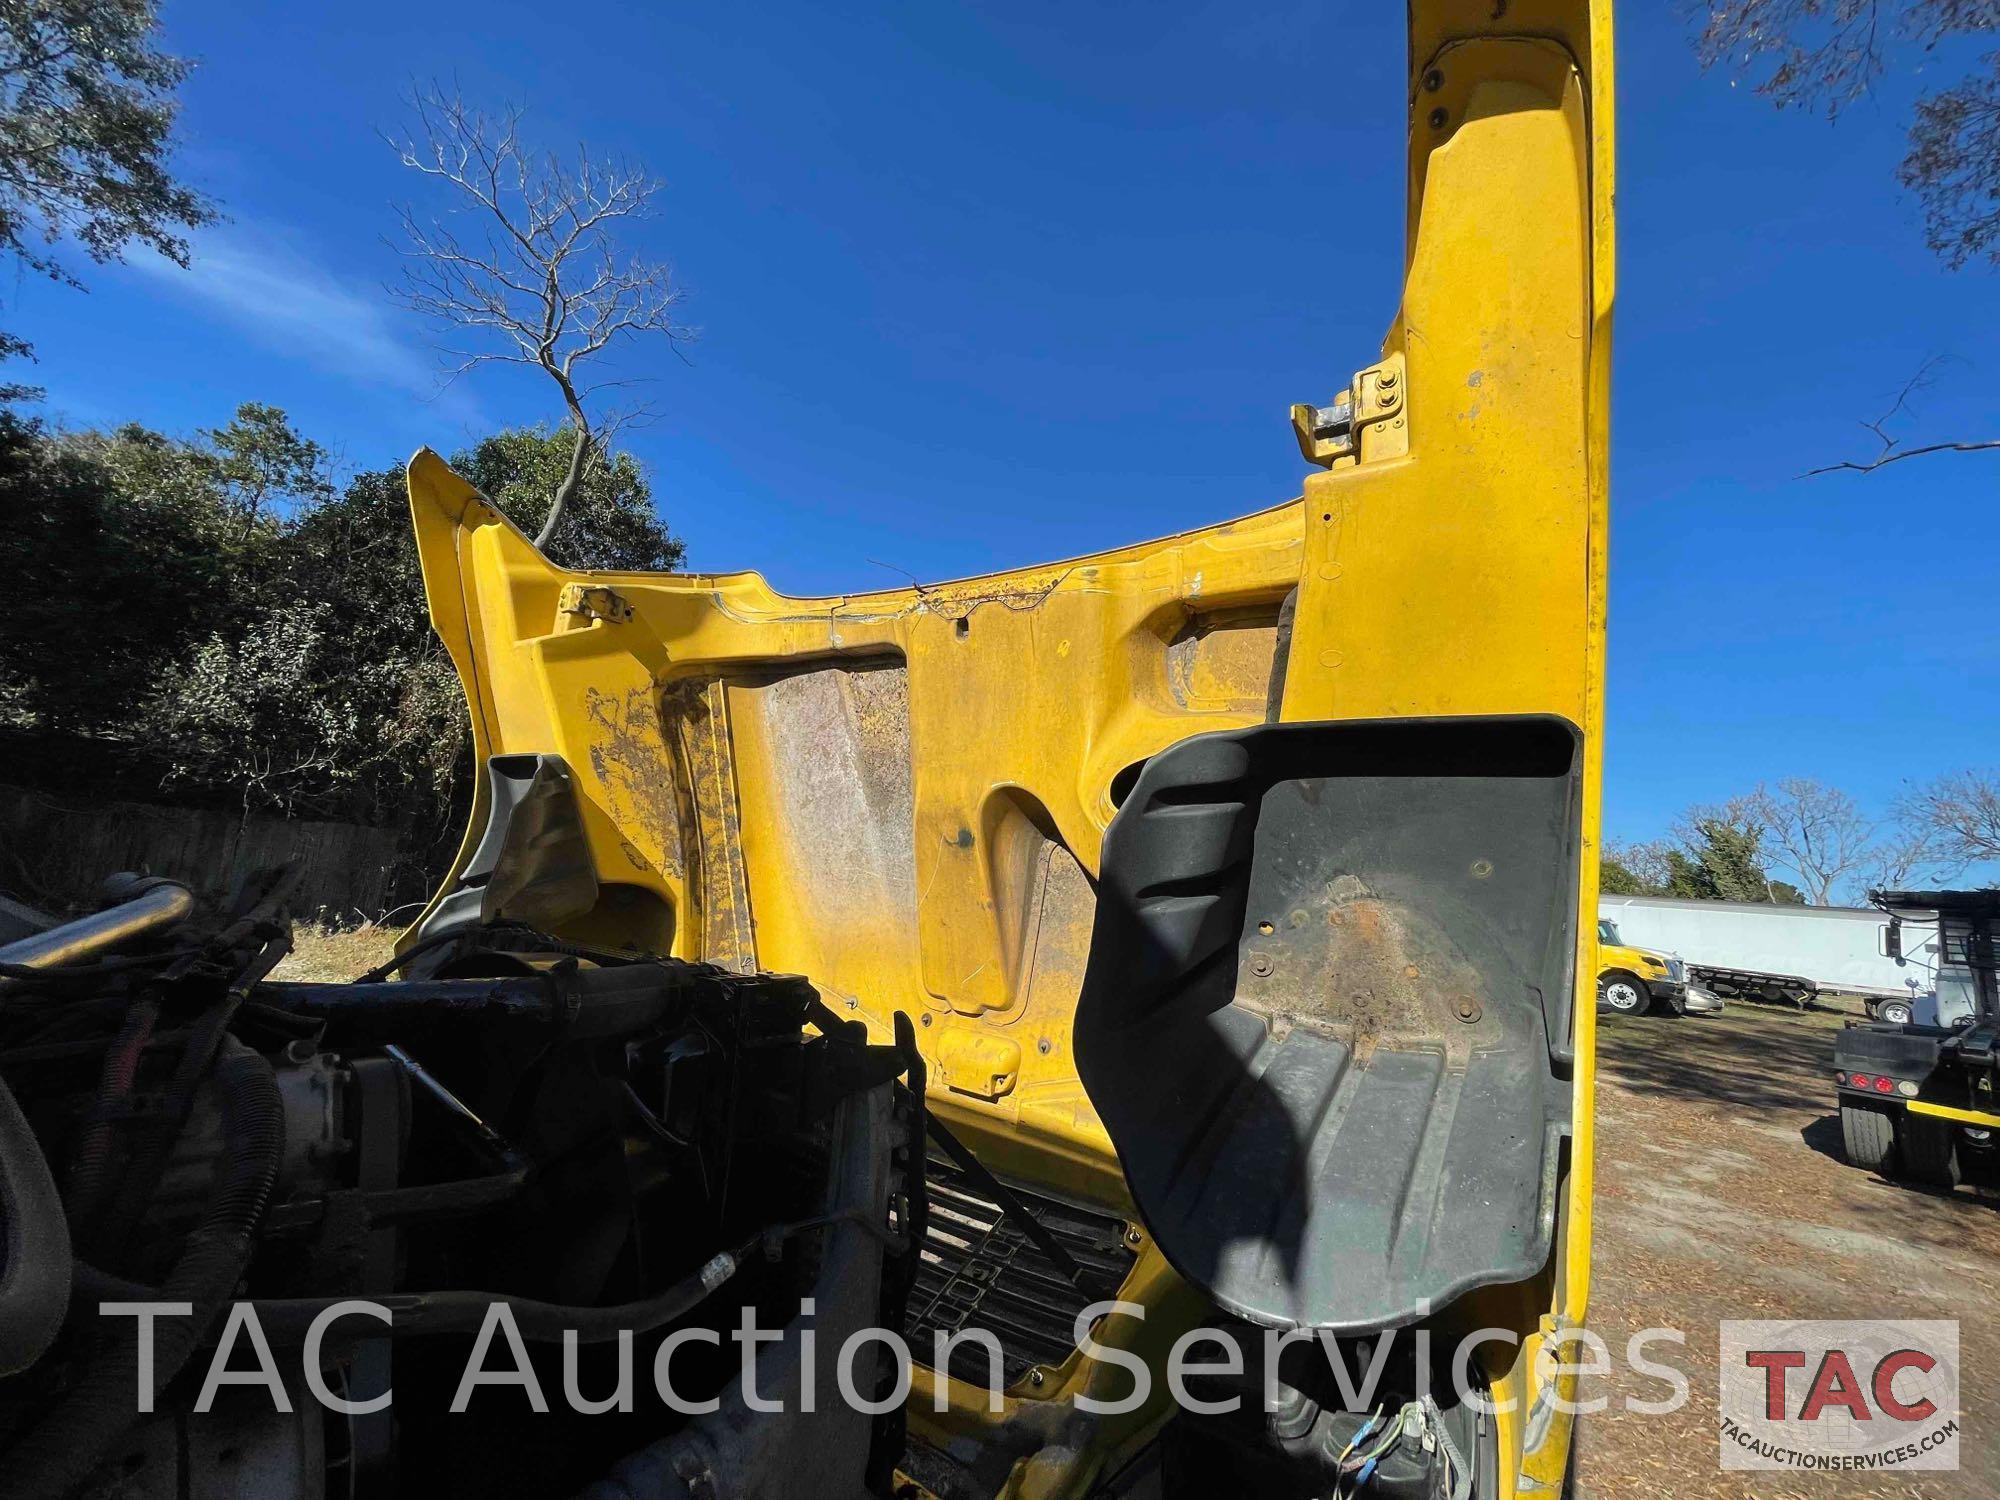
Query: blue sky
x=981, y=286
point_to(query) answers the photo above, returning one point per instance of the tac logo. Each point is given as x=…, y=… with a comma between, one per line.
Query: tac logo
x=1878, y=1394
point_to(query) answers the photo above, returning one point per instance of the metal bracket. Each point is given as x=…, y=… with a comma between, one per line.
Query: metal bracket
x=1366, y=421
x=593, y=602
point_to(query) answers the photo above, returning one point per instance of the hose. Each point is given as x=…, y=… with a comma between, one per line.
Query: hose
x=285, y=1320
x=34, y=1287
x=62, y=1450
x=149, y=1157
x=93, y=1151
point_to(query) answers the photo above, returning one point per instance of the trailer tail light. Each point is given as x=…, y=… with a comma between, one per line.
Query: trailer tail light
x=1885, y=1084
x=1855, y=1080
x=1907, y=1089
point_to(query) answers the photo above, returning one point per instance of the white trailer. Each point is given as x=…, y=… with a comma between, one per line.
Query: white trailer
x=1784, y=952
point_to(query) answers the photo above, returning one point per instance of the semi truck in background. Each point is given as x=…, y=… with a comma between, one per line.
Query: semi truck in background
x=1755, y=950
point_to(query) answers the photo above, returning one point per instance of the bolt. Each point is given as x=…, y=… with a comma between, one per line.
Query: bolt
x=1468, y=1009
x=1045, y=1046
x=927, y=1020
x=1035, y=1377
x=1386, y=379
x=1433, y=81
x=1260, y=966
x=1133, y=1237
x=1481, y=868
x=852, y=1003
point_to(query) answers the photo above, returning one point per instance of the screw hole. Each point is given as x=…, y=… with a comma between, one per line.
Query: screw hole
x=1438, y=117
x=1266, y=928
x=962, y=626
x=1433, y=81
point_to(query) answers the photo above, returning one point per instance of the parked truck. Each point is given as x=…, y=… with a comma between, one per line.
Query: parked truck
x=1921, y=1102
x=1756, y=950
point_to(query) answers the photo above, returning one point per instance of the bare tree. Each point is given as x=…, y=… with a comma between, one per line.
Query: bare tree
x=535, y=275
x=1816, y=831
x=1961, y=813
x=1646, y=863
x=1892, y=450
x=1829, y=54
x=1909, y=857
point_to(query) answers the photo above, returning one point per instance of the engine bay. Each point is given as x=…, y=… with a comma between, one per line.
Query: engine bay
x=610, y=1147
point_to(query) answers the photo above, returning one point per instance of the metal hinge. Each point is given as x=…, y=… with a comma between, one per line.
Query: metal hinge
x=1364, y=422
x=593, y=602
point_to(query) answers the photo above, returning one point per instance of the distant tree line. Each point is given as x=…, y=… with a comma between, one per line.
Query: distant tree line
x=225, y=618
x=1802, y=842
x=247, y=626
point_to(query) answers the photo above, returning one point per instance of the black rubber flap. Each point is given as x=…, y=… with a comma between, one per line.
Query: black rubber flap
x=1329, y=987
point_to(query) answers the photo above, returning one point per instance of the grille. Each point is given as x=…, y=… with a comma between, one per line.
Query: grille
x=979, y=1270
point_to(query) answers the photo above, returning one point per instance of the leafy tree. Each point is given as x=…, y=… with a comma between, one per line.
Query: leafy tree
x=1721, y=858
x=260, y=459
x=1616, y=878
x=269, y=643
x=609, y=522
x=332, y=697
x=1716, y=854
x=86, y=128
x=1828, y=54
x=113, y=529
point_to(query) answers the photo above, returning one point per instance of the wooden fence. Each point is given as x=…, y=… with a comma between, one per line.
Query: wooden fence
x=56, y=850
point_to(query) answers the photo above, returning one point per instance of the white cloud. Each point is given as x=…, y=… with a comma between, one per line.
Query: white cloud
x=297, y=307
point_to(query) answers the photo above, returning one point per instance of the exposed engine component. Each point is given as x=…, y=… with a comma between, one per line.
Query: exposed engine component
x=604, y=1151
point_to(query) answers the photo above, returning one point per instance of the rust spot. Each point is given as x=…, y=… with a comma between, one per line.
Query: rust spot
x=631, y=760
x=1376, y=969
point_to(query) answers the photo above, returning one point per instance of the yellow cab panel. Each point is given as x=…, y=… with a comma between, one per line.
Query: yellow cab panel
x=974, y=804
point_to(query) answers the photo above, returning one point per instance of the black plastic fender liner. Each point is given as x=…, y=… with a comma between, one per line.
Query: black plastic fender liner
x=532, y=864
x=1326, y=1015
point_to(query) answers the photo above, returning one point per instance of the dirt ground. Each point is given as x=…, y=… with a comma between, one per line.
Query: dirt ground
x=1722, y=1193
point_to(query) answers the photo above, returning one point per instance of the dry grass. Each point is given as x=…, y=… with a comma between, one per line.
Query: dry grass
x=330, y=954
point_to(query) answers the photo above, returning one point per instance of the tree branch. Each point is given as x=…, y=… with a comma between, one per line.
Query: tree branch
x=550, y=287
x=1893, y=451
x=1886, y=459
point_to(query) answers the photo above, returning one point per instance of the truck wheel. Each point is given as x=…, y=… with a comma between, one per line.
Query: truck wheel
x=1896, y=1012
x=1929, y=1150
x=1868, y=1135
x=1623, y=993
